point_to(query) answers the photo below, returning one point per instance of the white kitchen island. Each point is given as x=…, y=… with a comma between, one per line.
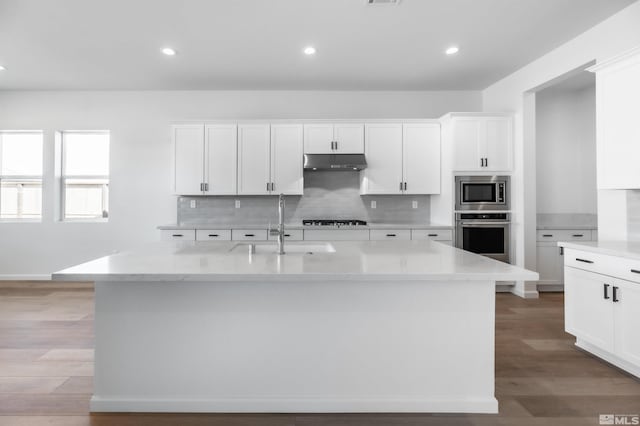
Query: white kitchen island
x=368, y=326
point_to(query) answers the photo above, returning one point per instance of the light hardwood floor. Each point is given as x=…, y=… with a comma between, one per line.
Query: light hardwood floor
x=46, y=363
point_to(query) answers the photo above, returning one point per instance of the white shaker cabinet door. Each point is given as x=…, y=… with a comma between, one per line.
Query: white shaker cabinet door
x=286, y=159
x=588, y=314
x=383, y=151
x=253, y=159
x=318, y=138
x=421, y=158
x=221, y=152
x=497, y=144
x=467, y=144
x=349, y=138
x=627, y=321
x=188, y=144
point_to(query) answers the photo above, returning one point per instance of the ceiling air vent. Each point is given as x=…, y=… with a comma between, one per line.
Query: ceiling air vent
x=382, y=1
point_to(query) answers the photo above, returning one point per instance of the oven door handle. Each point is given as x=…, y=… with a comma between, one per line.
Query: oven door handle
x=483, y=223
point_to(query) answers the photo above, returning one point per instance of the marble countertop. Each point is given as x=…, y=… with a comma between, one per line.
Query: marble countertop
x=351, y=260
x=629, y=249
x=299, y=226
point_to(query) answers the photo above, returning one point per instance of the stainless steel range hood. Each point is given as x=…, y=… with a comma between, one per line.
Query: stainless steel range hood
x=335, y=162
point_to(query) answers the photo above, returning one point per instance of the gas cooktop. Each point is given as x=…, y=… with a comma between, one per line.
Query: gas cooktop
x=333, y=222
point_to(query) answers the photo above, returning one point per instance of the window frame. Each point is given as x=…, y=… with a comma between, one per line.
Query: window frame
x=26, y=178
x=64, y=177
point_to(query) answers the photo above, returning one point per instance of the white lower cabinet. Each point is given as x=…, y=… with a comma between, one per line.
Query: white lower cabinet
x=550, y=262
x=177, y=234
x=432, y=234
x=249, y=234
x=390, y=234
x=603, y=311
x=213, y=234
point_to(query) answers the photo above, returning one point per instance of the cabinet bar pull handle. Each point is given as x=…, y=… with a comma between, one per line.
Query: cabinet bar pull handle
x=405, y=186
x=206, y=187
x=391, y=235
x=482, y=162
x=432, y=235
x=584, y=260
x=214, y=235
x=547, y=235
x=561, y=251
x=486, y=162
x=578, y=235
x=177, y=235
x=400, y=186
x=249, y=235
x=606, y=291
x=336, y=145
x=615, y=294
x=287, y=235
x=267, y=186
x=635, y=271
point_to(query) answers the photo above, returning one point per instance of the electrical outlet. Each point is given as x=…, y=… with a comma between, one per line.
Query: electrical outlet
x=237, y=204
x=373, y=204
x=414, y=204
x=192, y=204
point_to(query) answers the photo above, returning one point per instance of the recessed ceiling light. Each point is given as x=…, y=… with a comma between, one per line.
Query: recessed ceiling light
x=168, y=51
x=309, y=50
x=2, y=68
x=452, y=50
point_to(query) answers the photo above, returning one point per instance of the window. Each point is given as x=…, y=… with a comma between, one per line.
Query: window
x=85, y=175
x=21, y=175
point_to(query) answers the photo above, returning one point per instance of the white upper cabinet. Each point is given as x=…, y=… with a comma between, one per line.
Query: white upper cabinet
x=421, y=158
x=221, y=159
x=383, y=152
x=254, y=148
x=188, y=144
x=401, y=159
x=482, y=143
x=327, y=138
x=287, y=159
x=618, y=127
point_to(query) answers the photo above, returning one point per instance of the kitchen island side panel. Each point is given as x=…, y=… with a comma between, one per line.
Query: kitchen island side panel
x=338, y=346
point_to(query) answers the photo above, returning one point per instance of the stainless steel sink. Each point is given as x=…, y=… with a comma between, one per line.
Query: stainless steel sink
x=291, y=247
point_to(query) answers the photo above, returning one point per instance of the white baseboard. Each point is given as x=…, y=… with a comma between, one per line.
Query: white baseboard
x=525, y=294
x=609, y=357
x=295, y=405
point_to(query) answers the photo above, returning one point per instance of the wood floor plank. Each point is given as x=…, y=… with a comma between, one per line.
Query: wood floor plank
x=30, y=384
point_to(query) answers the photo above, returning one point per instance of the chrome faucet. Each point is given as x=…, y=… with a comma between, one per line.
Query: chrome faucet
x=280, y=230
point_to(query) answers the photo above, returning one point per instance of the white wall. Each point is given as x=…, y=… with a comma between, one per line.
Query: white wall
x=141, y=154
x=566, y=150
x=611, y=37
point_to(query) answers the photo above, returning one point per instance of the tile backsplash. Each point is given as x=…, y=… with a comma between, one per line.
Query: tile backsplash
x=331, y=194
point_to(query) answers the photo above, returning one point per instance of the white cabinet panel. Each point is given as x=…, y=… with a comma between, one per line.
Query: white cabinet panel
x=618, y=127
x=432, y=234
x=289, y=235
x=550, y=264
x=349, y=138
x=466, y=143
x=287, y=159
x=249, y=234
x=221, y=154
x=177, y=234
x=390, y=234
x=318, y=138
x=627, y=321
x=213, y=234
x=588, y=315
x=383, y=150
x=421, y=158
x=498, y=146
x=253, y=159
x=188, y=143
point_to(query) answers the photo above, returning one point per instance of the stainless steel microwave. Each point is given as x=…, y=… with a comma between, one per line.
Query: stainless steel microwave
x=482, y=193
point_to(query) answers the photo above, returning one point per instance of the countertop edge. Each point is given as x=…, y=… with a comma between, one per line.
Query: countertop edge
x=296, y=227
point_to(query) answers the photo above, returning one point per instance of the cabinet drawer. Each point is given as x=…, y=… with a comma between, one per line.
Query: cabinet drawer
x=613, y=266
x=336, y=235
x=291, y=235
x=390, y=234
x=249, y=234
x=213, y=234
x=177, y=234
x=564, y=235
x=432, y=234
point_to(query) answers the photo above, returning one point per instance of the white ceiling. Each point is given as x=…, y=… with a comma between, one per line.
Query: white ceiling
x=257, y=44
